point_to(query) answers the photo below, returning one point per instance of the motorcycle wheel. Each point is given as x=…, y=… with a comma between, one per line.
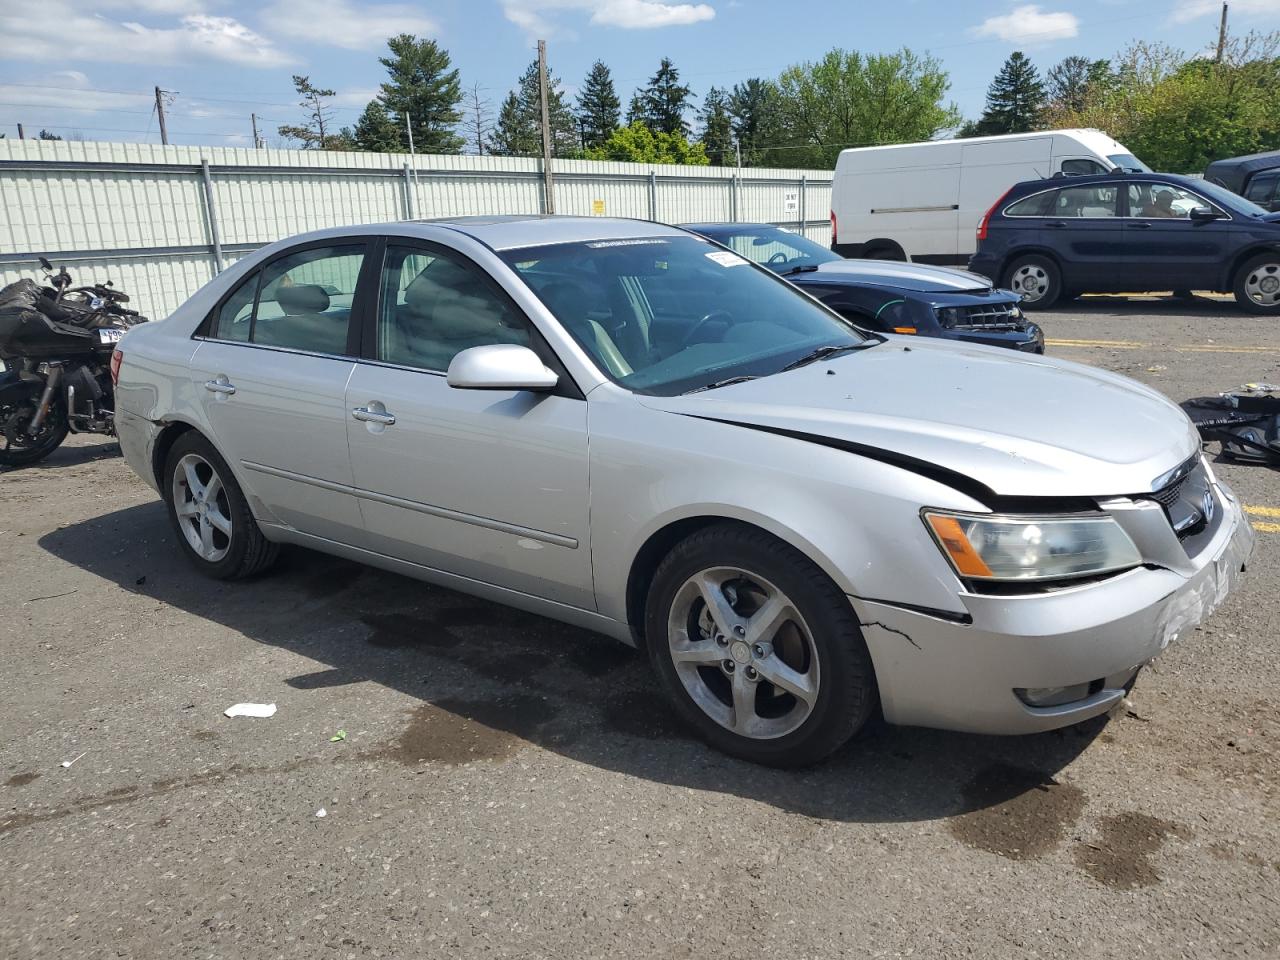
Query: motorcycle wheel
x=17, y=449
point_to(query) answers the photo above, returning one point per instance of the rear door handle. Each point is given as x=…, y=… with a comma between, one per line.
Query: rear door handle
x=220, y=385
x=365, y=415
x=1140, y=225
x=1055, y=223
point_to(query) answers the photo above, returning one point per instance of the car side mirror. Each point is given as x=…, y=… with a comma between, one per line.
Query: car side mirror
x=500, y=366
x=1204, y=214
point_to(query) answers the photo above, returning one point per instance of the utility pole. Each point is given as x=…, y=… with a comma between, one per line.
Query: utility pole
x=21, y=135
x=1222, y=34
x=164, y=134
x=548, y=182
x=253, y=118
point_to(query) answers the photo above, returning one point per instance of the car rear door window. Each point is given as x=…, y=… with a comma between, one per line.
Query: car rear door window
x=434, y=306
x=1086, y=201
x=301, y=301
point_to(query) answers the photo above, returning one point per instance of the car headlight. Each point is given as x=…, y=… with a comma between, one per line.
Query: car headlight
x=985, y=547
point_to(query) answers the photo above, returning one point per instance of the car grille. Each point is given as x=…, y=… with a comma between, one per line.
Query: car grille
x=1188, y=500
x=981, y=316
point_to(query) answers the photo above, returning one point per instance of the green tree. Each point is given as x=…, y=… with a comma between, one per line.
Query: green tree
x=1068, y=83
x=518, y=131
x=315, y=132
x=598, y=106
x=1015, y=99
x=756, y=109
x=665, y=100
x=376, y=131
x=639, y=144
x=850, y=99
x=717, y=127
x=422, y=86
x=46, y=135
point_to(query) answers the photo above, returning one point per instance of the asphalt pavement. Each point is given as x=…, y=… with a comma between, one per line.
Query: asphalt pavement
x=505, y=786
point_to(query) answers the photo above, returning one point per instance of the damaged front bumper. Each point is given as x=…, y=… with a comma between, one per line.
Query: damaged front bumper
x=937, y=671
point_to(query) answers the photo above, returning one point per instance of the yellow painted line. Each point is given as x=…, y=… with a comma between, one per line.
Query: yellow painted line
x=1133, y=344
x=1263, y=511
x=1123, y=344
x=1266, y=527
x=1217, y=348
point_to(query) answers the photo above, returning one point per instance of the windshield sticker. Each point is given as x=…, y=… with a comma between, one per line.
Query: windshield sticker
x=725, y=258
x=625, y=243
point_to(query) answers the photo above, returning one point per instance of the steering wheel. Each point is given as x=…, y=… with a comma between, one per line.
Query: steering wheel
x=778, y=257
x=715, y=316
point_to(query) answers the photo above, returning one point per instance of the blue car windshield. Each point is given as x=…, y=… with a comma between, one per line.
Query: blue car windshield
x=780, y=250
x=1232, y=201
x=665, y=315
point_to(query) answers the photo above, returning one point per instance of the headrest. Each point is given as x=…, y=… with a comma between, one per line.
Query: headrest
x=569, y=302
x=435, y=277
x=302, y=298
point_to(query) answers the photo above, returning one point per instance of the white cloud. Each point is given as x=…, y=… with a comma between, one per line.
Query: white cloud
x=68, y=91
x=83, y=35
x=1188, y=10
x=1029, y=24
x=626, y=14
x=339, y=23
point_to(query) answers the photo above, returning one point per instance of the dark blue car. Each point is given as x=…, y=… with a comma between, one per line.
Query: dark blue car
x=1121, y=232
x=884, y=295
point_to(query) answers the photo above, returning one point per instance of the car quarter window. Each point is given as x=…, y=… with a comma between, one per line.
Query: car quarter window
x=435, y=305
x=1036, y=205
x=301, y=301
x=1163, y=201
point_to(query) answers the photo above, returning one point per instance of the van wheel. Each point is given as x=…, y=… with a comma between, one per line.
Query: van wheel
x=759, y=651
x=1036, y=279
x=209, y=513
x=1257, y=285
x=885, y=251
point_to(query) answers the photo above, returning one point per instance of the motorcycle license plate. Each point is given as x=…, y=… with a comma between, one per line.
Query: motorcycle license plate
x=109, y=335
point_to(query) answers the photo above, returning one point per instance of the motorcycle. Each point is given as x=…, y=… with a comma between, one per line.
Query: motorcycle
x=56, y=342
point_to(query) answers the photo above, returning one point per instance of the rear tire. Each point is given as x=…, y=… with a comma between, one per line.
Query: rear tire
x=19, y=450
x=1257, y=285
x=730, y=611
x=209, y=513
x=1038, y=280
x=885, y=251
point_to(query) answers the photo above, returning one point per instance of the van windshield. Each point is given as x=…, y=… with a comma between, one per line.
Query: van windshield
x=669, y=314
x=1128, y=163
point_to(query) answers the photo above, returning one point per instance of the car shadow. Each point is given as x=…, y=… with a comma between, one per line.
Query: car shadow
x=1147, y=305
x=488, y=676
x=72, y=455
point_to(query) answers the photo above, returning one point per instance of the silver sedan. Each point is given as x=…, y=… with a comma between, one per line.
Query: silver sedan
x=629, y=428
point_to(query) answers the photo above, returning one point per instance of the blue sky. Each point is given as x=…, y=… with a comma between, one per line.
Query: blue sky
x=88, y=66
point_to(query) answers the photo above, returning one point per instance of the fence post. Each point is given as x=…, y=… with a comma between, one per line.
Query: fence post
x=211, y=215
x=733, y=196
x=408, y=194
x=804, y=218
x=653, y=195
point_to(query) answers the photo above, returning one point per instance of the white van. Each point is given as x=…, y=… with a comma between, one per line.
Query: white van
x=923, y=201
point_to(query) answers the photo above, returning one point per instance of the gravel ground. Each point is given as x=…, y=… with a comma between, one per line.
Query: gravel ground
x=510, y=787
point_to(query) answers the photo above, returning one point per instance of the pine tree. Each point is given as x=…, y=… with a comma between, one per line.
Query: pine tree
x=756, y=108
x=314, y=133
x=1015, y=99
x=717, y=127
x=665, y=100
x=598, y=106
x=635, y=109
x=377, y=132
x=519, y=128
x=422, y=87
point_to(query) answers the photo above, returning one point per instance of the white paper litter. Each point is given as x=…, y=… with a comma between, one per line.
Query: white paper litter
x=322, y=812
x=67, y=763
x=251, y=710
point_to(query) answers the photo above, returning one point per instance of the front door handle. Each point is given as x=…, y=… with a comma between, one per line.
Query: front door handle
x=220, y=385
x=366, y=415
x=1140, y=225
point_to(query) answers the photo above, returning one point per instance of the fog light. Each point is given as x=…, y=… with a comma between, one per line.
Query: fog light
x=1052, y=696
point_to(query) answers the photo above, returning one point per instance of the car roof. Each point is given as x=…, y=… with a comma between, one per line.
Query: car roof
x=513, y=232
x=1084, y=180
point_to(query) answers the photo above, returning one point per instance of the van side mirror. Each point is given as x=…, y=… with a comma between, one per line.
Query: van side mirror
x=500, y=366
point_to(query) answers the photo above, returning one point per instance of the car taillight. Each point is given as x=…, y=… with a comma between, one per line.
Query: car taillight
x=116, y=357
x=986, y=217
x=833, y=228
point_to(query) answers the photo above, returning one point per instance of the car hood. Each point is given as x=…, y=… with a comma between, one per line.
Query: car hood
x=1019, y=425
x=917, y=277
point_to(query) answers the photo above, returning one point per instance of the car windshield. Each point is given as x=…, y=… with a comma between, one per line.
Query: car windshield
x=666, y=315
x=1128, y=162
x=1232, y=201
x=780, y=250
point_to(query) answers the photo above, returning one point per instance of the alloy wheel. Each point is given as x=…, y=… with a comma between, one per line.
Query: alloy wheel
x=202, y=507
x=1262, y=285
x=743, y=653
x=1031, y=281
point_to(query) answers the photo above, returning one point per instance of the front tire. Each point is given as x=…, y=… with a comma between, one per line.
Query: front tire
x=17, y=449
x=1036, y=279
x=1257, y=285
x=757, y=649
x=210, y=515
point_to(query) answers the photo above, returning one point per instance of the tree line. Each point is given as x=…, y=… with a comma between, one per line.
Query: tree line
x=1174, y=110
